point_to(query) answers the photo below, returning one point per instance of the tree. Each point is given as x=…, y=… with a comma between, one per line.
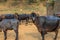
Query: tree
x=50, y=7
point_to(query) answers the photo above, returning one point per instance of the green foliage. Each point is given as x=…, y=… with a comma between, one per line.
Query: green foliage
x=32, y=1
x=42, y=0
x=51, y=2
x=3, y=0
x=15, y=3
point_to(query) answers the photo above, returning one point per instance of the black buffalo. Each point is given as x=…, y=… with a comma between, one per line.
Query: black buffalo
x=25, y=17
x=46, y=24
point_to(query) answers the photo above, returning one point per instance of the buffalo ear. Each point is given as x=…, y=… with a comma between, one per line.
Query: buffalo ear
x=16, y=15
x=37, y=14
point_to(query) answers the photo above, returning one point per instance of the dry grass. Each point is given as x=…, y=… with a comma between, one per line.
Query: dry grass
x=28, y=32
x=40, y=9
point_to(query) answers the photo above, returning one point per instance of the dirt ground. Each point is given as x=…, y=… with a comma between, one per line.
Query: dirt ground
x=28, y=32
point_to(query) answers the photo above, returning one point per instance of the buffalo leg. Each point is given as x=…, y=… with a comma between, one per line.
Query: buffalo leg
x=27, y=20
x=16, y=31
x=5, y=35
x=42, y=34
x=56, y=34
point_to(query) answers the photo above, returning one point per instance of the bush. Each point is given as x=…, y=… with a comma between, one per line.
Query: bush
x=15, y=2
x=3, y=0
x=32, y=1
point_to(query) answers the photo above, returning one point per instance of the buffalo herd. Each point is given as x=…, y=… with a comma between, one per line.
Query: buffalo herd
x=44, y=24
